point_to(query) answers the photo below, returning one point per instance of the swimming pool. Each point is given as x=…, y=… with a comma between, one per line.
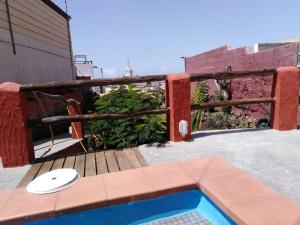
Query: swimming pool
x=190, y=207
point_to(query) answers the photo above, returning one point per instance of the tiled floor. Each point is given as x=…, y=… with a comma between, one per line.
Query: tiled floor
x=192, y=218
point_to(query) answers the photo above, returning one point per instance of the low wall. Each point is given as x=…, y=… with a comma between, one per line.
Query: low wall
x=241, y=59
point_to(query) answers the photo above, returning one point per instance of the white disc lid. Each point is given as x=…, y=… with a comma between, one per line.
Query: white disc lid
x=53, y=181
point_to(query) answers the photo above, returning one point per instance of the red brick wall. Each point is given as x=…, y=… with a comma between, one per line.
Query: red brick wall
x=240, y=59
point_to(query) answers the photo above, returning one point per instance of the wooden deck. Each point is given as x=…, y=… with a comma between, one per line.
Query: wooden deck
x=88, y=164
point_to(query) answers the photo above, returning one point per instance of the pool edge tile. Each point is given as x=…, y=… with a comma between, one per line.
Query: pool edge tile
x=127, y=186
x=177, y=179
x=22, y=206
x=91, y=192
x=195, y=168
x=234, y=190
x=278, y=210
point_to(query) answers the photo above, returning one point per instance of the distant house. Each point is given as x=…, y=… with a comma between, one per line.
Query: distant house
x=85, y=70
x=35, y=45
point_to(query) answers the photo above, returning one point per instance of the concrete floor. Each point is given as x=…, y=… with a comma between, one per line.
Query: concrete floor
x=271, y=156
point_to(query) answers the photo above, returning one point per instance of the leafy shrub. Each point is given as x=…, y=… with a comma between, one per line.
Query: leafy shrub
x=225, y=120
x=217, y=118
x=132, y=131
x=200, y=95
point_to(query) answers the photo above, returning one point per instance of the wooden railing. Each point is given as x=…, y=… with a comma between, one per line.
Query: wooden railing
x=142, y=79
x=103, y=116
x=232, y=103
x=75, y=84
x=39, y=89
x=232, y=75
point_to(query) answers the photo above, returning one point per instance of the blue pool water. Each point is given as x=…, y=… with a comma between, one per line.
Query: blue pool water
x=147, y=211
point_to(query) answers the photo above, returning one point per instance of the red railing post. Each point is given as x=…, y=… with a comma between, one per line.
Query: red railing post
x=77, y=127
x=16, y=147
x=286, y=91
x=178, y=94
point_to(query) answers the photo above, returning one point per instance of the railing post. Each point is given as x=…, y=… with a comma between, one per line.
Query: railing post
x=77, y=127
x=286, y=91
x=178, y=92
x=16, y=147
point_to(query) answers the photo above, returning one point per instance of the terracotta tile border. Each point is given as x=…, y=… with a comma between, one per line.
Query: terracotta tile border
x=240, y=196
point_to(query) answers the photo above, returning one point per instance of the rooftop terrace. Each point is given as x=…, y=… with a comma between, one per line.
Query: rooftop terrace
x=269, y=155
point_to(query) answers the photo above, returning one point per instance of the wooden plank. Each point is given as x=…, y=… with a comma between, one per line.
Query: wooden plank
x=58, y=163
x=16, y=13
x=122, y=160
x=101, y=163
x=42, y=32
x=70, y=161
x=30, y=175
x=51, y=13
x=37, y=24
x=140, y=157
x=37, y=13
x=131, y=157
x=90, y=164
x=26, y=32
x=40, y=18
x=4, y=24
x=91, y=83
x=80, y=164
x=46, y=167
x=112, y=164
x=25, y=28
x=105, y=116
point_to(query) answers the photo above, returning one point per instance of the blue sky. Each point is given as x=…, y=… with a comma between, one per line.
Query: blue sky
x=154, y=34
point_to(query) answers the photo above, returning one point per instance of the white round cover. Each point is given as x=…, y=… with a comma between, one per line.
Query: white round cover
x=53, y=181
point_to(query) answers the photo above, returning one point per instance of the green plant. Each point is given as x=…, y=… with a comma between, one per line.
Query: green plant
x=200, y=95
x=132, y=131
x=225, y=120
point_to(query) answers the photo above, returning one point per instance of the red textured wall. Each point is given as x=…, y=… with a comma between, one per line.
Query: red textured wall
x=178, y=100
x=239, y=59
x=16, y=147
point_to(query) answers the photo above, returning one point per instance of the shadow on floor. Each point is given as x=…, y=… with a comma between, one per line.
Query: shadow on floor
x=200, y=134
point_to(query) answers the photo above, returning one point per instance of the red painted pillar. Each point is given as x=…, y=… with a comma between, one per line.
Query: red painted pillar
x=77, y=127
x=178, y=91
x=16, y=147
x=286, y=91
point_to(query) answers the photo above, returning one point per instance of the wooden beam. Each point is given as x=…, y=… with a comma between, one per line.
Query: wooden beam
x=232, y=102
x=111, y=116
x=90, y=83
x=231, y=75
